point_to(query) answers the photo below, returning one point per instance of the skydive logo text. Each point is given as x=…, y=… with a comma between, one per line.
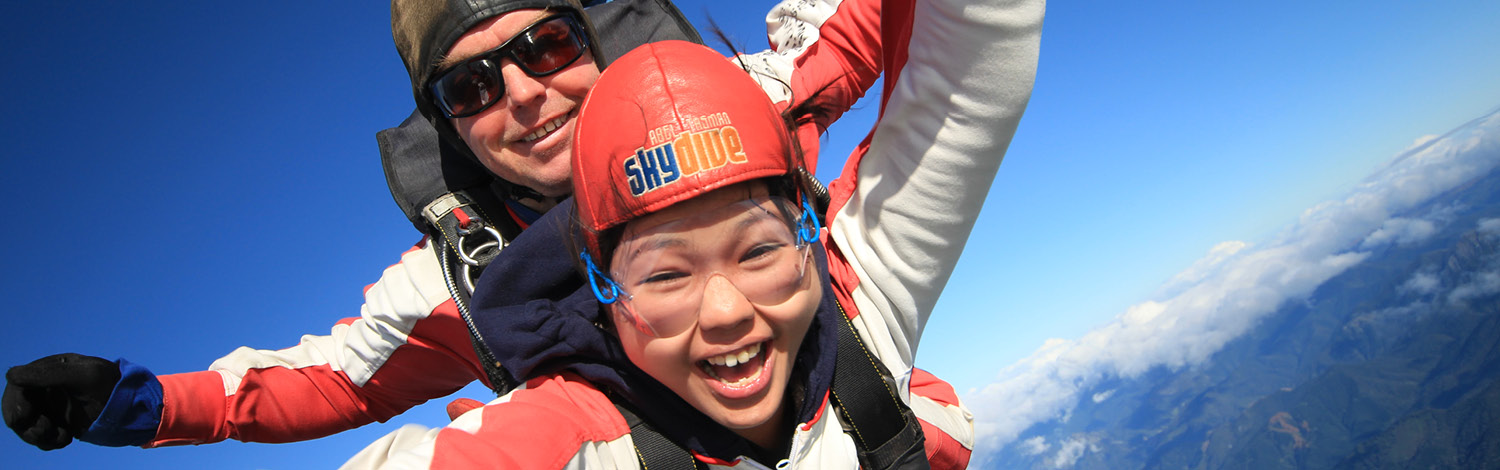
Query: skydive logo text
x=689, y=153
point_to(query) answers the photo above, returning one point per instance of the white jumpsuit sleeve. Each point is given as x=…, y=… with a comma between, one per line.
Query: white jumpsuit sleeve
x=950, y=112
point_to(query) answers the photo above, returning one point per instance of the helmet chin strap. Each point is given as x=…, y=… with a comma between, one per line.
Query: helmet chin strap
x=519, y=192
x=528, y=197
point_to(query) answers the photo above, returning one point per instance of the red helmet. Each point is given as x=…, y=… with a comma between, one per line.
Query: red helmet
x=664, y=123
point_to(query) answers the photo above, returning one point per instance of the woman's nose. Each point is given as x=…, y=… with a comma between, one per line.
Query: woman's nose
x=723, y=305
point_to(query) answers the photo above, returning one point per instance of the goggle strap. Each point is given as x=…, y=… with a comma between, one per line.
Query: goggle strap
x=594, y=275
x=808, y=227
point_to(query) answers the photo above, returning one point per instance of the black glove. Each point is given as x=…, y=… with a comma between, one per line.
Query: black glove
x=56, y=398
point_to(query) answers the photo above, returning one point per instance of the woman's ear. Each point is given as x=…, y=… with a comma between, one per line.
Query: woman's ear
x=606, y=323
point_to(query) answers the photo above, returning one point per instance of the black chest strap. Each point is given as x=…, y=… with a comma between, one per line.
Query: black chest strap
x=654, y=450
x=468, y=238
x=886, y=432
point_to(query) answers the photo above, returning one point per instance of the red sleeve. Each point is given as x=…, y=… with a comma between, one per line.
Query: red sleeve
x=943, y=451
x=830, y=48
x=402, y=351
x=540, y=427
x=844, y=62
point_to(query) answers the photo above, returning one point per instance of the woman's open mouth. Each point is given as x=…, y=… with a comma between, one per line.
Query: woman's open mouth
x=738, y=374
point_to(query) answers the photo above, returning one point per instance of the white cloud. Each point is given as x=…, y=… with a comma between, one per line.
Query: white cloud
x=1406, y=231
x=1068, y=454
x=1226, y=293
x=1482, y=284
x=1398, y=313
x=1401, y=231
x=1489, y=226
x=1485, y=282
x=1423, y=140
x=1104, y=395
x=1204, y=266
x=1034, y=446
x=1420, y=283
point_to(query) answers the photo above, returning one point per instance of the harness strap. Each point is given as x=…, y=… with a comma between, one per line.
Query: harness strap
x=463, y=219
x=655, y=451
x=499, y=380
x=470, y=239
x=886, y=432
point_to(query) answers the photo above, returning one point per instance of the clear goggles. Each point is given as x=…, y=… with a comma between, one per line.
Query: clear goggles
x=758, y=248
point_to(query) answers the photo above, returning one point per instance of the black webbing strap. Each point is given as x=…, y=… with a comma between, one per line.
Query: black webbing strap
x=499, y=380
x=459, y=275
x=884, y=428
x=654, y=450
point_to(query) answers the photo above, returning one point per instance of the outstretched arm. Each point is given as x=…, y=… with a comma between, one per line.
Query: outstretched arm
x=407, y=346
x=958, y=77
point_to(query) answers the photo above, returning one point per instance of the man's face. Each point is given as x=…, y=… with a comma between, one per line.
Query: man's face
x=527, y=136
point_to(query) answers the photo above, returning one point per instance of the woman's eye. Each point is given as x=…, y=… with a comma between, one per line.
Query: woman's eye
x=760, y=251
x=663, y=277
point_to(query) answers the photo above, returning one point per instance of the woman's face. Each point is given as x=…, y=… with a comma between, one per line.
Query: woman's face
x=720, y=299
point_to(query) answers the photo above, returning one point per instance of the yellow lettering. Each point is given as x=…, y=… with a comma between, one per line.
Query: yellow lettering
x=732, y=145
x=687, y=156
x=699, y=152
x=714, y=149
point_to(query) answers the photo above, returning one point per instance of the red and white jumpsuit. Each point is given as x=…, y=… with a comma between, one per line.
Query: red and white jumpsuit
x=958, y=76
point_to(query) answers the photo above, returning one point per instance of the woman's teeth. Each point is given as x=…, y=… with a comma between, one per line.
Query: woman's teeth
x=547, y=128
x=734, y=359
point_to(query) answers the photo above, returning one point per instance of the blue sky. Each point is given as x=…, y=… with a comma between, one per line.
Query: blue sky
x=188, y=178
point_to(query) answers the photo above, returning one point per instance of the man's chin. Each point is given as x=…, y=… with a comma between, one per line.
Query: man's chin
x=555, y=188
x=551, y=177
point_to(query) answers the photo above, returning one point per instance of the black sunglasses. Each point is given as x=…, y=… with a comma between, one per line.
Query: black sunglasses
x=542, y=49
